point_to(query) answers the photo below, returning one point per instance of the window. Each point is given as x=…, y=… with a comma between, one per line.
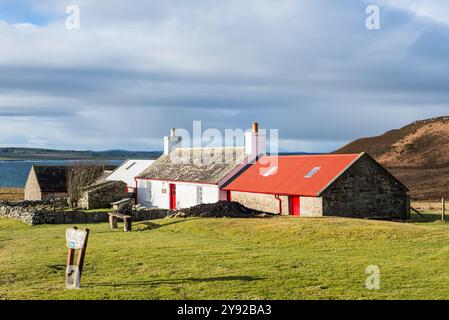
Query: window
x=199, y=194
x=312, y=172
x=270, y=172
x=130, y=166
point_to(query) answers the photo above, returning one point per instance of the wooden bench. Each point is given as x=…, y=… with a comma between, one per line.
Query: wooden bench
x=59, y=204
x=114, y=216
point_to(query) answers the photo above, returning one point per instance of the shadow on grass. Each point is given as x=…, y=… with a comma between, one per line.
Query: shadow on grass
x=56, y=267
x=175, y=281
x=139, y=226
x=147, y=225
x=427, y=217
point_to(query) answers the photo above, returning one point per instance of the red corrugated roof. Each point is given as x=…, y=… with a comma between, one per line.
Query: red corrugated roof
x=290, y=176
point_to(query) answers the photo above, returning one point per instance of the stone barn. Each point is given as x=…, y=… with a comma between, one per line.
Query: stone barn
x=46, y=182
x=348, y=185
x=101, y=194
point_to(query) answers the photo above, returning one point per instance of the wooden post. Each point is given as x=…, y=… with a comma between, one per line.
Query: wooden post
x=443, y=210
x=70, y=257
x=82, y=253
x=128, y=224
x=113, y=222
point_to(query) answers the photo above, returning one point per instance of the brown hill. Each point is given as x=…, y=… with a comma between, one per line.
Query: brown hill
x=417, y=154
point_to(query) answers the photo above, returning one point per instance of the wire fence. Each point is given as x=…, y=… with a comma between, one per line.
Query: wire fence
x=431, y=206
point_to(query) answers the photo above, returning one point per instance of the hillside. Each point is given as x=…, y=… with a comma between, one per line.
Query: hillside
x=418, y=154
x=49, y=154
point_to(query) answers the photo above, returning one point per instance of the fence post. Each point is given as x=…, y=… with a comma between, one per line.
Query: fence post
x=443, y=210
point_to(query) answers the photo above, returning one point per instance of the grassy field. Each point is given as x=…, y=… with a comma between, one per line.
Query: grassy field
x=279, y=258
x=11, y=194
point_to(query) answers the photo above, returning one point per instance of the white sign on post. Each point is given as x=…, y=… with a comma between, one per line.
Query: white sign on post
x=75, y=238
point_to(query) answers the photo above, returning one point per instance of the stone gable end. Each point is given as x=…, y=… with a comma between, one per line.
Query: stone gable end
x=366, y=190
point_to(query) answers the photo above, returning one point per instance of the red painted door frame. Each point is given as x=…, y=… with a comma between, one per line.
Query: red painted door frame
x=294, y=204
x=228, y=196
x=172, y=194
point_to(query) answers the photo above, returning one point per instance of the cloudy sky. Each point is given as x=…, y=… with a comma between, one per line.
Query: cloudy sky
x=133, y=70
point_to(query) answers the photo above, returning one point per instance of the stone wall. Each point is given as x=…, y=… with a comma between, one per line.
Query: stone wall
x=366, y=190
x=311, y=207
x=42, y=212
x=103, y=194
x=53, y=195
x=261, y=202
x=142, y=214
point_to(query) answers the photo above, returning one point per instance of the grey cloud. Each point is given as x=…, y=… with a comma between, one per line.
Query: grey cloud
x=311, y=70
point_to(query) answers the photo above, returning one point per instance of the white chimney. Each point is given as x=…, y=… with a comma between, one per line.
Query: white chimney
x=171, y=142
x=255, y=142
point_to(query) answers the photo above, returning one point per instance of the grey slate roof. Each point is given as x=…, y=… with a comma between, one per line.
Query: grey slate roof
x=54, y=178
x=201, y=165
x=51, y=178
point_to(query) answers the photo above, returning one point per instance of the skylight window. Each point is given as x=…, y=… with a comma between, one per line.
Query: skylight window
x=312, y=172
x=270, y=172
x=130, y=166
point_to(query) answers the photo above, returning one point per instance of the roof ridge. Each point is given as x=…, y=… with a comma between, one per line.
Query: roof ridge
x=314, y=155
x=198, y=148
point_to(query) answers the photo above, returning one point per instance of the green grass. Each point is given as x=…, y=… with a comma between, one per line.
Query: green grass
x=279, y=258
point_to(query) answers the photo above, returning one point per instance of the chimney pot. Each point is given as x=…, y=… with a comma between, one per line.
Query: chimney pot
x=255, y=127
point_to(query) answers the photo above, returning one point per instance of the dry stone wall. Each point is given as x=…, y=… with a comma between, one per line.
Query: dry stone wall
x=42, y=212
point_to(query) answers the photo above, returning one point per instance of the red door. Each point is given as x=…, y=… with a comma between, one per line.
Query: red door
x=294, y=205
x=172, y=196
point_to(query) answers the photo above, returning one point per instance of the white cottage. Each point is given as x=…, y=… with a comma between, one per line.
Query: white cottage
x=128, y=171
x=185, y=177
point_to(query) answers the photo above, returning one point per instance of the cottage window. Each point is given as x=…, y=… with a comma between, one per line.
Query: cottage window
x=312, y=172
x=199, y=194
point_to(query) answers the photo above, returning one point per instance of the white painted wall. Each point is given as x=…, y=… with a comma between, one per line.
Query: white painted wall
x=127, y=171
x=153, y=193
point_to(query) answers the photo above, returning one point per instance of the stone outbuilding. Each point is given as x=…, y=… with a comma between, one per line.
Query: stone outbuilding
x=46, y=182
x=348, y=185
x=100, y=195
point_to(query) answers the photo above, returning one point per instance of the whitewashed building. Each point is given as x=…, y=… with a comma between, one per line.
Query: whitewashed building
x=128, y=171
x=185, y=177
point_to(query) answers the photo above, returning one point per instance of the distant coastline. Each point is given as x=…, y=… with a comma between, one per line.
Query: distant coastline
x=14, y=173
x=36, y=154
x=15, y=163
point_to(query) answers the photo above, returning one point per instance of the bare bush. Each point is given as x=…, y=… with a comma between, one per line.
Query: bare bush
x=81, y=175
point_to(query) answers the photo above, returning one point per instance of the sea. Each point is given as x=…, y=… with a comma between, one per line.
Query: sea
x=15, y=173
